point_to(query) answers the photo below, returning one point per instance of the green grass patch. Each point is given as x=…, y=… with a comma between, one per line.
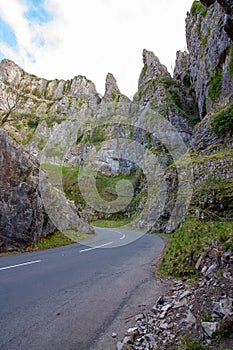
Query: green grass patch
x=223, y=121
x=110, y=223
x=197, y=8
x=189, y=241
x=199, y=31
x=230, y=67
x=175, y=96
x=188, y=344
x=57, y=239
x=215, y=85
x=206, y=39
x=106, y=185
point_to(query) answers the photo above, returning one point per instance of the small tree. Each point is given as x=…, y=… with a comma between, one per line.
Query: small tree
x=15, y=99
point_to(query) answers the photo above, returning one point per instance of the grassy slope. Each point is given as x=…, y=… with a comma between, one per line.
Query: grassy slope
x=57, y=239
x=189, y=241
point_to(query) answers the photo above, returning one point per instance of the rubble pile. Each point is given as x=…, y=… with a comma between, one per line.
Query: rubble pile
x=201, y=311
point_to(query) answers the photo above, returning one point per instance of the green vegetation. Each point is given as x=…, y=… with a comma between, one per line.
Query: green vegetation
x=225, y=329
x=193, y=119
x=66, y=87
x=207, y=317
x=144, y=70
x=58, y=109
x=111, y=223
x=98, y=135
x=223, y=121
x=198, y=9
x=53, y=119
x=230, y=67
x=175, y=97
x=36, y=92
x=167, y=81
x=187, y=344
x=206, y=39
x=189, y=241
x=221, y=193
x=106, y=186
x=116, y=97
x=69, y=104
x=215, y=85
x=199, y=32
x=186, y=81
x=57, y=239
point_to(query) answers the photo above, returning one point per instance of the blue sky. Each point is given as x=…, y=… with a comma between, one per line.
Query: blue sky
x=37, y=12
x=64, y=38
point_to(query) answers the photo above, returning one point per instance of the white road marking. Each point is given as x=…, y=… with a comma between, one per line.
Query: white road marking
x=24, y=264
x=97, y=247
x=123, y=237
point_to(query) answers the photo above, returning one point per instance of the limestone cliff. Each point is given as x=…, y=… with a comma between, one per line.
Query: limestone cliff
x=208, y=65
x=197, y=101
x=22, y=217
x=158, y=91
x=227, y=6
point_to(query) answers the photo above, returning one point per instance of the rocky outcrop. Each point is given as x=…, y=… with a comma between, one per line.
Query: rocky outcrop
x=152, y=68
x=159, y=92
x=112, y=92
x=41, y=96
x=209, y=61
x=227, y=6
x=22, y=216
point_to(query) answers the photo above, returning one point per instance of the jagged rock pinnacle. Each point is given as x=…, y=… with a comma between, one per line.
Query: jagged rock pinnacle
x=153, y=68
x=112, y=92
x=111, y=85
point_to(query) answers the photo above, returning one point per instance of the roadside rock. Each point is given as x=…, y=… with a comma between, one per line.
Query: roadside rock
x=22, y=216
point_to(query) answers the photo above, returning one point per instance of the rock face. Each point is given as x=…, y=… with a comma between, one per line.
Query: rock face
x=152, y=68
x=227, y=6
x=57, y=97
x=202, y=85
x=112, y=92
x=22, y=216
x=159, y=92
x=208, y=65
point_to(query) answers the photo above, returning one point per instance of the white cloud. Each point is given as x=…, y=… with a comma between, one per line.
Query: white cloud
x=93, y=37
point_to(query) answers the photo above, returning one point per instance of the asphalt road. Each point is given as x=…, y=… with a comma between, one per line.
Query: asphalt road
x=64, y=298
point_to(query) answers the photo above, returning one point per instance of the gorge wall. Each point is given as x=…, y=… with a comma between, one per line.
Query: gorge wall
x=197, y=101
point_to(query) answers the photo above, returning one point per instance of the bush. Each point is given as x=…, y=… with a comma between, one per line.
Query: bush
x=197, y=8
x=230, y=68
x=223, y=121
x=186, y=81
x=175, y=97
x=215, y=86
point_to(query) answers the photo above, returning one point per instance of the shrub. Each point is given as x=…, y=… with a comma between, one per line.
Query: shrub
x=186, y=80
x=175, y=96
x=230, y=68
x=215, y=86
x=197, y=8
x=223, y=121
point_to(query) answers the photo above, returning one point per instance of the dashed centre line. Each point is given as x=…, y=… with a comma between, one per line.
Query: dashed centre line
x=19, y=265
x=97, y=247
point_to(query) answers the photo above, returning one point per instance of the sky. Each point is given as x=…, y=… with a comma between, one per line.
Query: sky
x=65, y=38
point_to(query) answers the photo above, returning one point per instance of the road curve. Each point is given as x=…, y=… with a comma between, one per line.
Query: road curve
x=64, y=298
